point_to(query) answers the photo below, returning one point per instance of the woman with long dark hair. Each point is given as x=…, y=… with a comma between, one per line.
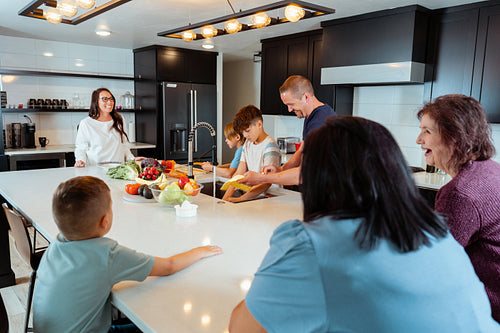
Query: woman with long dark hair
x=101, y=136
x=370, y=256
x=456, y=138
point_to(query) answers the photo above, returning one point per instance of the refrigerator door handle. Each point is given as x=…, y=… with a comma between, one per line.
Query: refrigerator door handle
x=164, y=91
x=195, y=119
x=191, y=110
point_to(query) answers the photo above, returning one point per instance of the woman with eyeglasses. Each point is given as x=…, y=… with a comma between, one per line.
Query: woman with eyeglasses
x=101, y=137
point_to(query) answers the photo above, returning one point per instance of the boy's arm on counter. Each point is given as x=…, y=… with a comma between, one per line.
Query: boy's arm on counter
x=175, y=263
x=252, y=194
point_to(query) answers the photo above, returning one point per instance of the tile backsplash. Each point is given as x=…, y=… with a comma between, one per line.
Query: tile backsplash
x=396, y=108
x=283, y=126
x=49, y=56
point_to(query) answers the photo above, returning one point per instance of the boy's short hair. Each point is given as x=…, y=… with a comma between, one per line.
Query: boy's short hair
x=229, y=133
x=78, y=206
x=246, y=116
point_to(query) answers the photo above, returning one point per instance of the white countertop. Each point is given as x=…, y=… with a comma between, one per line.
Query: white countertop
x=432, y=181
x=63, y=149
x=198, y=299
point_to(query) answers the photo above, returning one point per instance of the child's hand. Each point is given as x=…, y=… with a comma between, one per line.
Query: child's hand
x=208, y=251
x=207, y=166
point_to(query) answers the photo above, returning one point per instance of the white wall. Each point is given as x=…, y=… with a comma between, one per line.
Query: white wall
x=28, y=54
x=396, y=108
x=241, y=87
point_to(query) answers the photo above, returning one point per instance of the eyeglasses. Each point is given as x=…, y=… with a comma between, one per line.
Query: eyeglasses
x=106, y=99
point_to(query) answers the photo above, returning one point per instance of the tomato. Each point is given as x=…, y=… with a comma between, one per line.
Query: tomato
x=132, y=188
x=169, y=165
x=183, y=181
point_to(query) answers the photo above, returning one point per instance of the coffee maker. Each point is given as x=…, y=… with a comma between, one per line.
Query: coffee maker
x=28, y=134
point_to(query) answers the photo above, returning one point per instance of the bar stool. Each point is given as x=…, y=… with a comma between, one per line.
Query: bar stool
x=27, y=250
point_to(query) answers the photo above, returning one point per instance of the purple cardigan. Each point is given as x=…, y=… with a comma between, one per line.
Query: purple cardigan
x=471, y=203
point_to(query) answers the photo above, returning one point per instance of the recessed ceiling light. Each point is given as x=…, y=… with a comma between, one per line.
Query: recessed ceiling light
x=208, y=44
x=79, y=64
x=48, y=54
x=102, y=32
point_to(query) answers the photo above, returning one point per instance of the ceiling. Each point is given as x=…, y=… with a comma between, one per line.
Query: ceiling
x=136, y=23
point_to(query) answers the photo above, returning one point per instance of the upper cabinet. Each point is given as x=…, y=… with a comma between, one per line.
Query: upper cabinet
x=298, y=54
x=486, y=79
x=163, y=63
x=467, y=49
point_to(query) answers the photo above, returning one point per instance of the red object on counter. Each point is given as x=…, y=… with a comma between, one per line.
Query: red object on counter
x=297, y=146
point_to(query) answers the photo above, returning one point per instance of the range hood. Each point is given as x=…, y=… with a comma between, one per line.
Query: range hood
x=388, y=46
x=394, y=72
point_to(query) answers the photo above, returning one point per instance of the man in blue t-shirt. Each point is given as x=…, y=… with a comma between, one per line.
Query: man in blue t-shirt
x=297, y=94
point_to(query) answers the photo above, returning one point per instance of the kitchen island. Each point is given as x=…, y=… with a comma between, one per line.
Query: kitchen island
x=198, y=299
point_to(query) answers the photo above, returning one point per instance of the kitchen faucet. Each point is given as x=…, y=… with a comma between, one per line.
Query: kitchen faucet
x=190, y=146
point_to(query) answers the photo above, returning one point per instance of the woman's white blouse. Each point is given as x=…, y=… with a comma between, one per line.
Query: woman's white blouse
x=97, y=141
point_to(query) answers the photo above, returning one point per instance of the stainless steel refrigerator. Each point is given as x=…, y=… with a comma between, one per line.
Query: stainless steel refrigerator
x=183, y=106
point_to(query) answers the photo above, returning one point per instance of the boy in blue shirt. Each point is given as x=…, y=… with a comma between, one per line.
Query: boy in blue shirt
x=78, y=270
x=233, y=139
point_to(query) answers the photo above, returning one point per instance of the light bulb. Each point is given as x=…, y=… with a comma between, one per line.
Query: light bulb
x=67, y=8
x=232, y=26
x=188, y=35
x=208, y=31
x=294, y=13
x=86, y=4
x=52, y=15
x=260, y=20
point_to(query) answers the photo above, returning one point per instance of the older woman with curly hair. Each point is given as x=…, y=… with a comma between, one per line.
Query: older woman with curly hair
x=457, y=139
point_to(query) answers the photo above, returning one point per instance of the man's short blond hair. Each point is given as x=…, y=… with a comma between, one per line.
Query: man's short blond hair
x=79, y=204
x=297, y=85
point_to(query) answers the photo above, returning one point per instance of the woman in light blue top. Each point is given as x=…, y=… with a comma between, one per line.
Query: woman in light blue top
x=370, y=256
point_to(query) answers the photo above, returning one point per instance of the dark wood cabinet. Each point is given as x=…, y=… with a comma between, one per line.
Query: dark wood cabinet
x=455, y=47
x=273, y=71
x=467, y=50
x=155, y=64
x=486, y=79
x=298, y=54
x=180, y=65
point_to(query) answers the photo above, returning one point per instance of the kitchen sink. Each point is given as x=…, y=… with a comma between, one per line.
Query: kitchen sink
x=208, y=189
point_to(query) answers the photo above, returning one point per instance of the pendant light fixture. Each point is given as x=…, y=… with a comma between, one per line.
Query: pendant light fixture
x=68, y=8
x=291, y=11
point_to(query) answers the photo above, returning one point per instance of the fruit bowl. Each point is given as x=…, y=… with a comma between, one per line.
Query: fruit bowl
x=170, y=194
